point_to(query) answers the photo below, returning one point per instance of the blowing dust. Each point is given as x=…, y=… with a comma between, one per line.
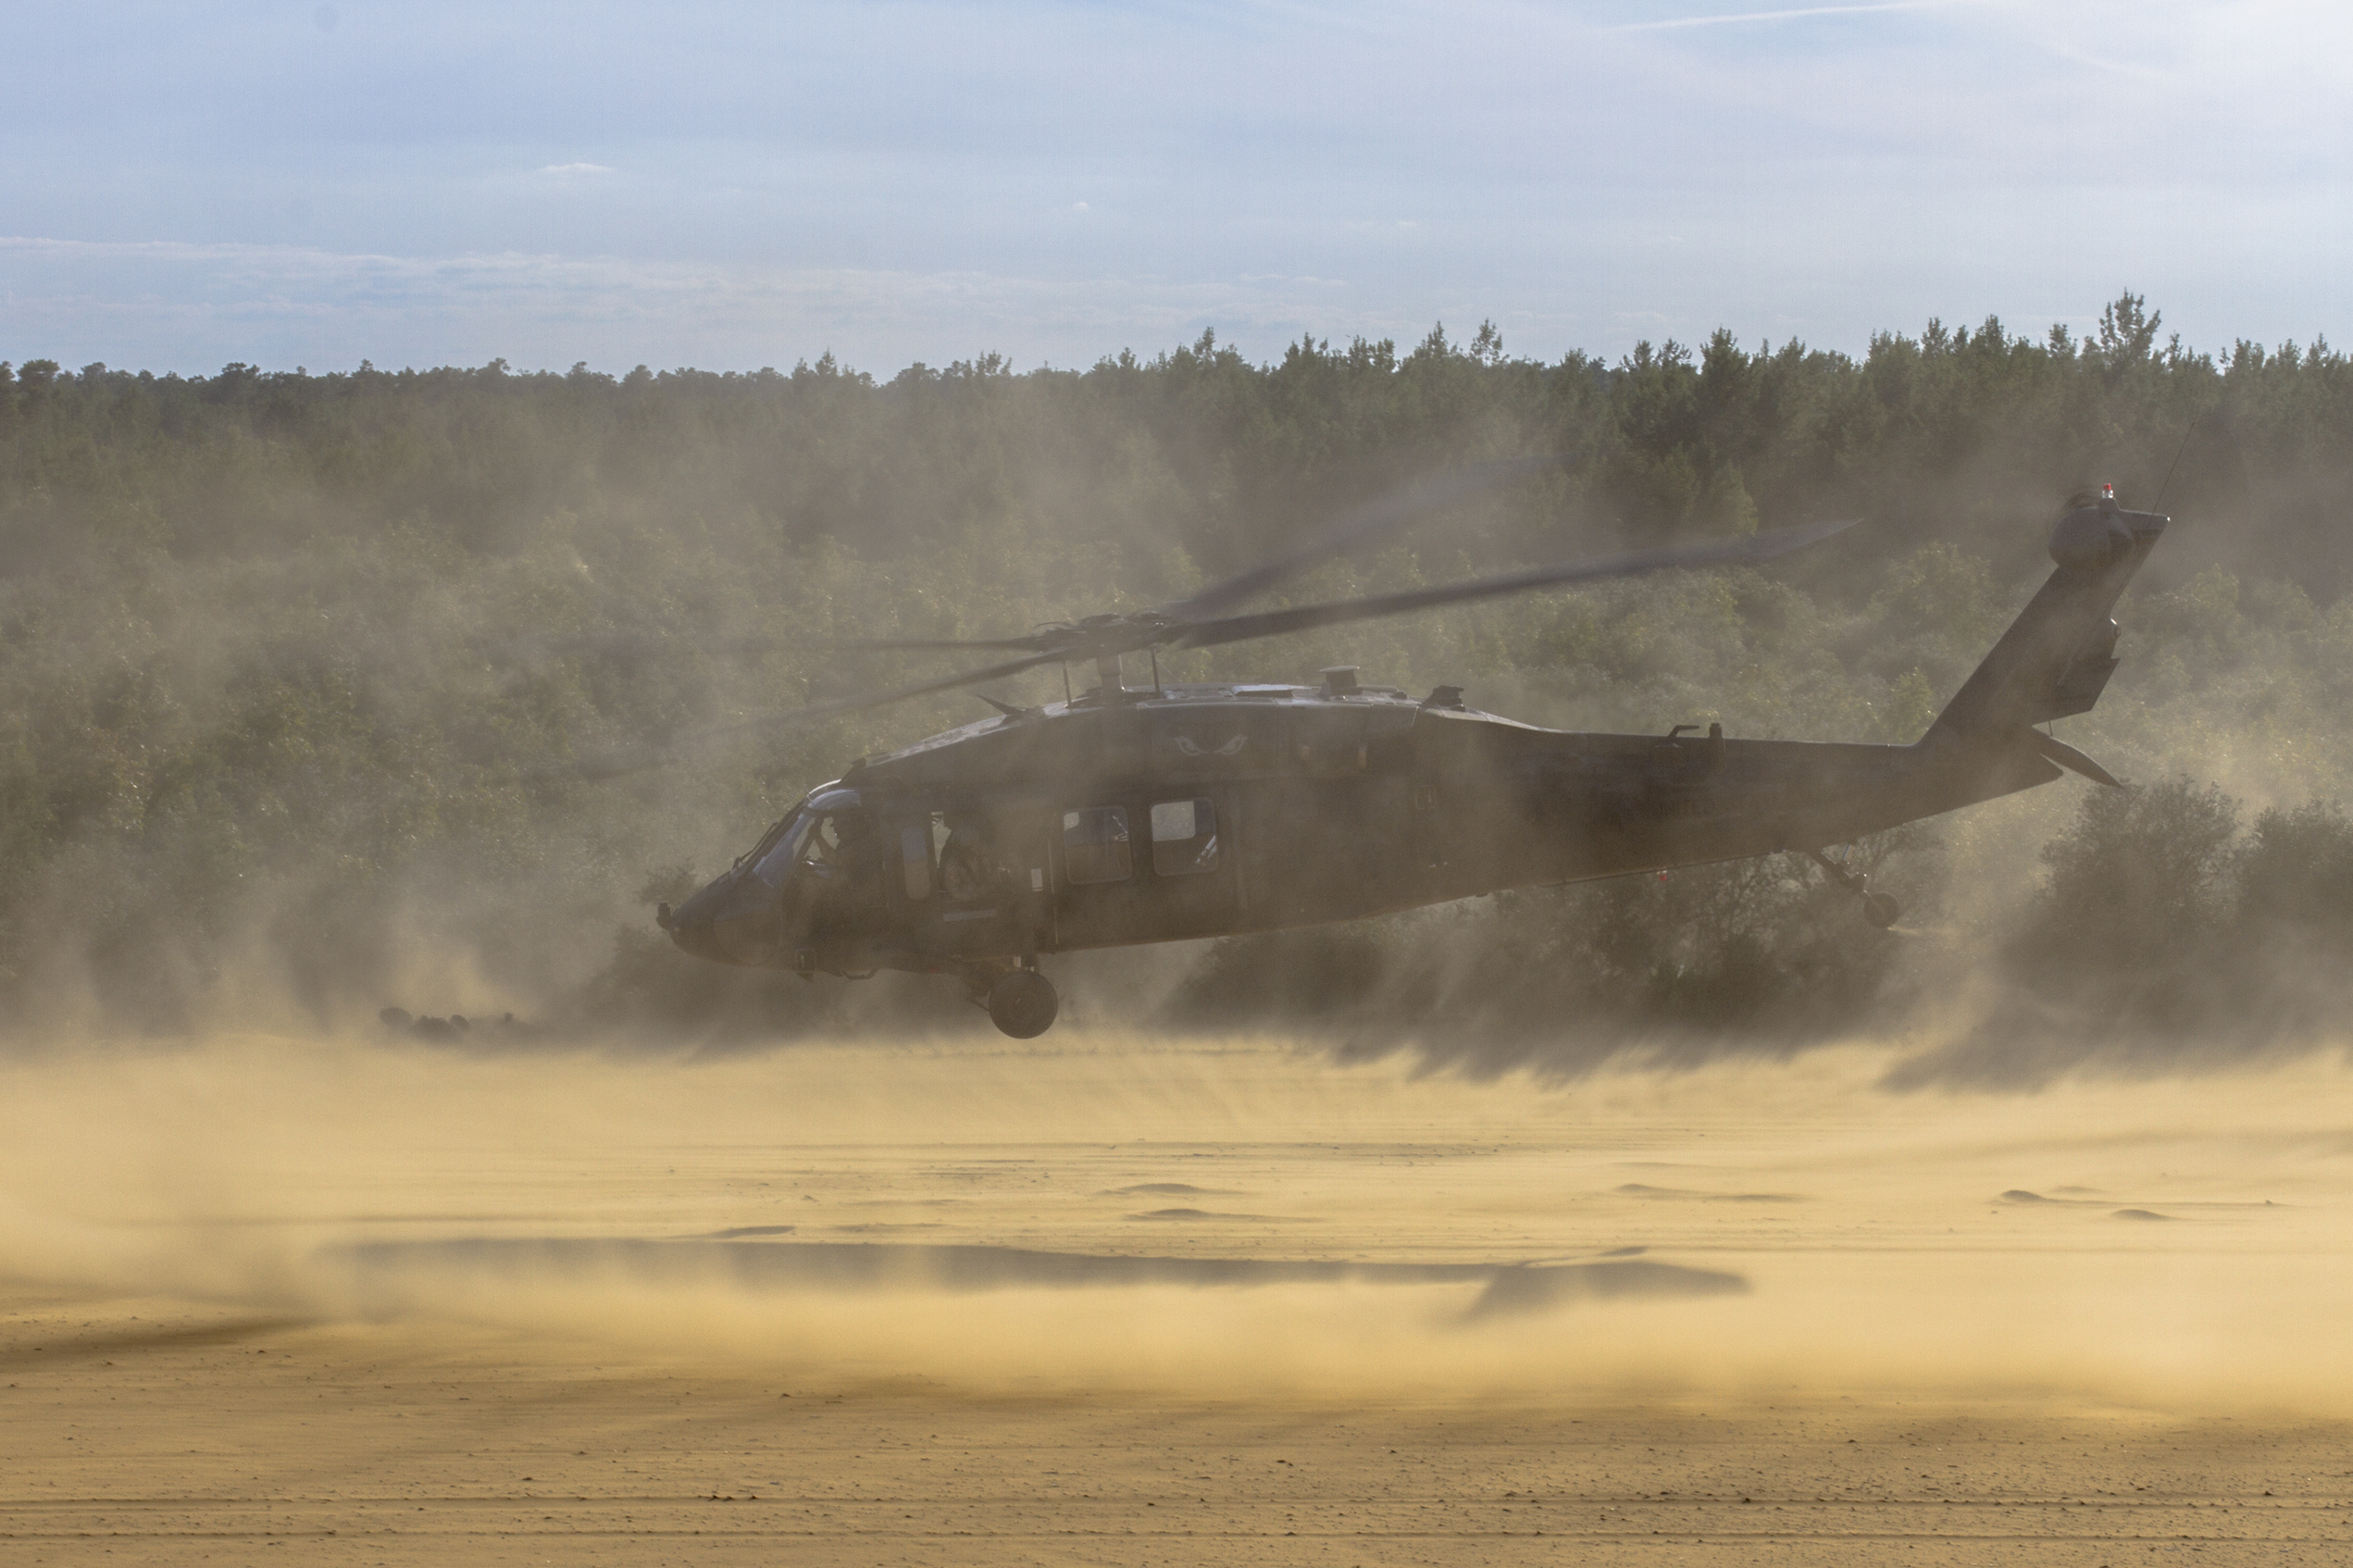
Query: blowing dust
x=1236, y=1222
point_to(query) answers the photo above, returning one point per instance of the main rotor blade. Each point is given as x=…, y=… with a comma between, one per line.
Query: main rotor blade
x=936, y=645
x=629, y=645
x=1359, y=526
x=896, y=694
x=616, y=767
x=2216, y=474
x=882, y=699
x=1747, y=550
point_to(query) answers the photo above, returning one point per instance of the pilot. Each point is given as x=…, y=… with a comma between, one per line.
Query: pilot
x=836, y=848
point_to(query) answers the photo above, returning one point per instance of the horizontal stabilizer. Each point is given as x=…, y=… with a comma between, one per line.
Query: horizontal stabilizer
x=2070, y=759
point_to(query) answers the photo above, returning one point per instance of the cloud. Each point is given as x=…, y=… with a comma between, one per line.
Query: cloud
x=1831, y=170
x=1793, y=15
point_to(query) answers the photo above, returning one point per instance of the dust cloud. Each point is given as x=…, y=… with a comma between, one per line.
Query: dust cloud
x=322, y=693
x=967, y=1220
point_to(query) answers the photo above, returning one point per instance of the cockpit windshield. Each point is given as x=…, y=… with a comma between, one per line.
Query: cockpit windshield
x=813, y=835
x=781, y=850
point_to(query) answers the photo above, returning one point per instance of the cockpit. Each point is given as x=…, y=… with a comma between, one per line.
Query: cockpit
x=821, y=842
x=816, y=873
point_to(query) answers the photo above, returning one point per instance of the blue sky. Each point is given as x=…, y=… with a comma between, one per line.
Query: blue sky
x=731, y=185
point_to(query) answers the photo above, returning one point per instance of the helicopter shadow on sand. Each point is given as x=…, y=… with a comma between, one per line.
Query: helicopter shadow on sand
x=779, y=1263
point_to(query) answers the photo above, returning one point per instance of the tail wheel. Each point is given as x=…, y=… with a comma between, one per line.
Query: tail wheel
x=1881, y=910
x=1023, y=1003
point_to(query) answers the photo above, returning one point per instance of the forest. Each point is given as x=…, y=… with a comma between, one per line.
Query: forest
x=296, y=672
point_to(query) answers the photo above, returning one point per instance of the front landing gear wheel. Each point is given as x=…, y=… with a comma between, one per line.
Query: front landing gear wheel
x=1023, y=1003
x=1881, y=910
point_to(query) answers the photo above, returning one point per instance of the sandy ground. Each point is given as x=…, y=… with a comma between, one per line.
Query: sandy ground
x=1127, y=1301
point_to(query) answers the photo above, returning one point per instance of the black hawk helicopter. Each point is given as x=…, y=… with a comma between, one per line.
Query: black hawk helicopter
x=1188, y=810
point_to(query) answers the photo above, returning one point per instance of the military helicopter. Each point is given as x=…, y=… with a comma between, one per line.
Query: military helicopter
x=1127, y=814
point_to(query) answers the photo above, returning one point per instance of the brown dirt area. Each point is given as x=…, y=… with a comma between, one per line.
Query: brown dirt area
x=332, y=1303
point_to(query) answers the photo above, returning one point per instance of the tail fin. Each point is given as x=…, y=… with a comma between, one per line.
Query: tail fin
x=2056, y=658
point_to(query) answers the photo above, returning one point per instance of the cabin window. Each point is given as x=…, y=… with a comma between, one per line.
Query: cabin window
x=914, y=856
x=1184, y=838
x=1095, y=844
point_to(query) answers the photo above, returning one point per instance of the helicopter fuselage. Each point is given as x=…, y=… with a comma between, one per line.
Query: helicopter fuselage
x=1192, y=811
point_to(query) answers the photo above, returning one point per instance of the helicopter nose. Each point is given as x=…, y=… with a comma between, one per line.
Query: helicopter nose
x=692, y=935
x=692, y=924
x=735, y=920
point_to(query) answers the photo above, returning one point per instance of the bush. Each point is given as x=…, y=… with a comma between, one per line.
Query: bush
x=2299, y=872
x=2144, y=877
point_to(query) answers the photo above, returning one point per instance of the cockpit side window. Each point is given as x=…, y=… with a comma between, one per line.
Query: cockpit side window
x=967, y=850
x=914, y=858
x=835, y=843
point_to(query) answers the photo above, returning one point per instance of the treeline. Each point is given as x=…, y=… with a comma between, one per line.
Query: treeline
x=291, y=666
x=1935, y=436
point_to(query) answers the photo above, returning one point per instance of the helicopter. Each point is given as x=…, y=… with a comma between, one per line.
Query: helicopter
x=1187, y=810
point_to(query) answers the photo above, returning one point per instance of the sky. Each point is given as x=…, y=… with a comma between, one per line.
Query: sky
x=737, y=185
